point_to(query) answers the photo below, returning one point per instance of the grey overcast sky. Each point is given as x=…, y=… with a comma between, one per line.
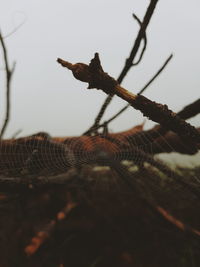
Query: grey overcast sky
x=46, y=97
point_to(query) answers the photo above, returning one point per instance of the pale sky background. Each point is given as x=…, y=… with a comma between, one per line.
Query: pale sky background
x=46, y=97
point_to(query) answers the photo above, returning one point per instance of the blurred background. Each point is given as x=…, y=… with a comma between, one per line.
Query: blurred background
x=46, y=97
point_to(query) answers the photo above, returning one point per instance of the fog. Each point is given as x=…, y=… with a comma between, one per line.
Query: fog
x=46, y=97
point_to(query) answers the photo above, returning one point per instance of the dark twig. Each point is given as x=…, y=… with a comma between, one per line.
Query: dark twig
x=130, y=61
x=115, y=116
x=190, y=110
x=42, y=236
x=16, y=133
x=145, y=41
x=143, y=89
x=128, y=105
x=96, y=125
x=156, y=75
x=15, y=29
x=94, y=75
x=9, y=73
x=187, y=112
x=139, y=38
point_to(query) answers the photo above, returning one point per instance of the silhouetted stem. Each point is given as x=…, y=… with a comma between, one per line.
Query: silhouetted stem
x=8, y=80
x=94, y=75
x=130, y=61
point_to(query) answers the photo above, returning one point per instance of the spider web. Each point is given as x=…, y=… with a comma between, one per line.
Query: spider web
x=41, y=154
x=105, y=160
x=68, y=152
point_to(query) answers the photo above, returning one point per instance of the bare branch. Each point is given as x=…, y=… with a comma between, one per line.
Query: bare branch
x=145, y=41
x=96, y=125
x=139, y=38
x=16, y=133
x=15, y=29
x=41, y=236
x=190, y=110
x=9, y=73
x=94, y=75
x=130, y=61
x=156, y=75
x=156, y=144
x=128, y=105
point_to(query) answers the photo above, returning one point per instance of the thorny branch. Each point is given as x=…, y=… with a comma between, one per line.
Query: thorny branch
x=130, y=61
x=9, y=73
